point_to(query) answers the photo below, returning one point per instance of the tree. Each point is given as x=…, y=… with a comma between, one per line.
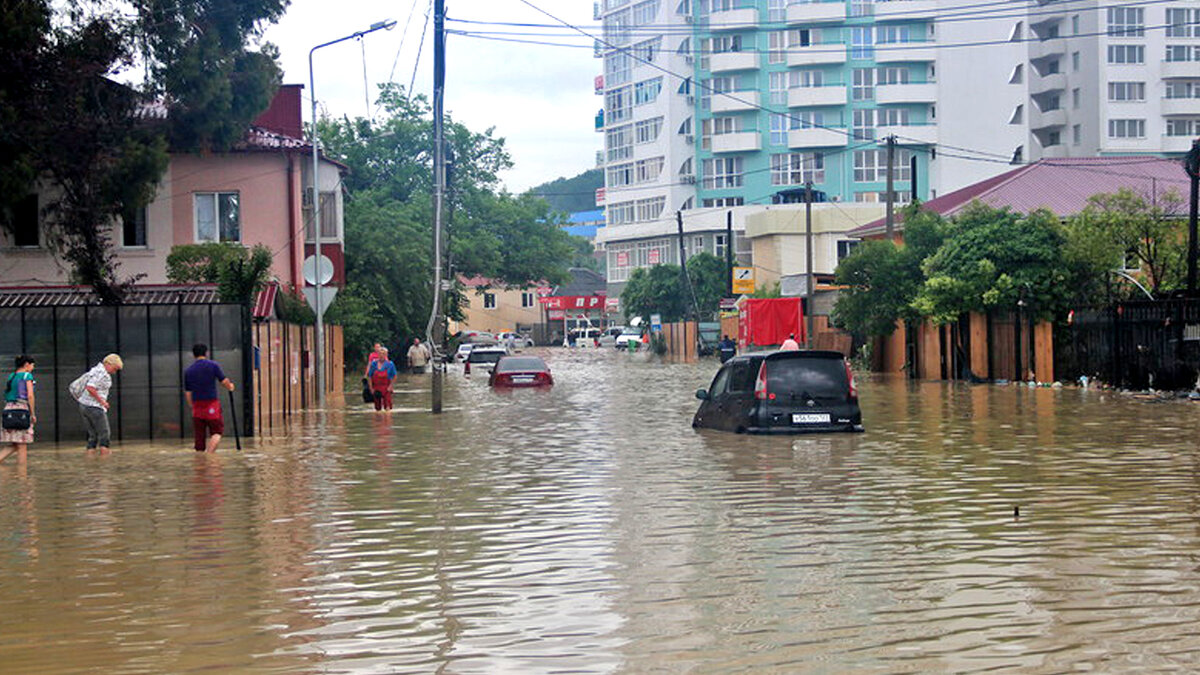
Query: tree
x=1124, y=226
x=883, y=279
x=569, y=195
x=99, y=147
x=239, y=272
x=656, y=290
x=710, y=279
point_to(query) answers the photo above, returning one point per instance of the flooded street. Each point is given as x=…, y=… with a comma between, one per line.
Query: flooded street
x=588, y=528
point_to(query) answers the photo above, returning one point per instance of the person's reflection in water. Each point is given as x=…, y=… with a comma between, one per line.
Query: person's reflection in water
x=23, y=488
x=208, y=496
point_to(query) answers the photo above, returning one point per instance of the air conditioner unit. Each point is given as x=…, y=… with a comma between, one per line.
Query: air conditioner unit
x=691, y=100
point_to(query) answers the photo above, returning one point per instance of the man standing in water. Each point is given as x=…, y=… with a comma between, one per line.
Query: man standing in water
x=200, y=382
x=418, y=356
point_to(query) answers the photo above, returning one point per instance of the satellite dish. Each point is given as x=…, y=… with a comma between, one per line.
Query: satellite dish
x=311, y=272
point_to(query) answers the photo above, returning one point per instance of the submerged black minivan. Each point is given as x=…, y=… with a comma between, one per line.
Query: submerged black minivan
x=781, y=392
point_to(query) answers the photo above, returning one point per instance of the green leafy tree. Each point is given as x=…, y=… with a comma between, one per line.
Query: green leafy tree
x=239, y=272
x=656, y=290
x=1127, y=227
x=710, y=279
x=572, y=194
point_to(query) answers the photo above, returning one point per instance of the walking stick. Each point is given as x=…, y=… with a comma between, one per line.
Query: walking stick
x=233, y=414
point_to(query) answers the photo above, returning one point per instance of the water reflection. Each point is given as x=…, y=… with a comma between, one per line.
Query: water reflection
x=588, y=528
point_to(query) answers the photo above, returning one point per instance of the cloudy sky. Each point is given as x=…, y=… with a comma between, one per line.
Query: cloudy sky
x=539, y=98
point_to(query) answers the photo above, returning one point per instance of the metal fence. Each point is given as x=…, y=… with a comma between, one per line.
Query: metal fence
x=154, y=341
x=1134, y=345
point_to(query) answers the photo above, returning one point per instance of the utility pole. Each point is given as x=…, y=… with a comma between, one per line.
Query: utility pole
x=912, y=181
x=436, y=318
x=890, y=218
x=808, y=268
x=687, y=279
x=729, y=250
x=1191, y=164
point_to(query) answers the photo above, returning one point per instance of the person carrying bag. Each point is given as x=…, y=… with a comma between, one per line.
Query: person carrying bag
x=19, y=410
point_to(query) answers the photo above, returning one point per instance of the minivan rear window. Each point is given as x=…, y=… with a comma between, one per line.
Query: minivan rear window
x=818, y=377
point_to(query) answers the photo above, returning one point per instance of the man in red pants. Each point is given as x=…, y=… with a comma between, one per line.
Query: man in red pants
x=200, y=382
x=381, y=372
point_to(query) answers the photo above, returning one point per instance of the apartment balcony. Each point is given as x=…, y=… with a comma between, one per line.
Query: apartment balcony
x=1181, y=106
x=728, y=62
x=1047, y=48
x=909, y=134
x=742, y=141
x=906, y=10
x=1176, y=143
x=1043, y=119
x=1059, y=151
x=1187, y=69
x=816, y=12
x=816, y=55
x=1048, y=83
x=734, y=19
x=925, y=92
x=735, y=101
x=817, y=138
x=905, y=51
x=808, y=97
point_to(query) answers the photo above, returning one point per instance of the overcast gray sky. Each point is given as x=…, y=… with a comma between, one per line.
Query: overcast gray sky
x=539, y=98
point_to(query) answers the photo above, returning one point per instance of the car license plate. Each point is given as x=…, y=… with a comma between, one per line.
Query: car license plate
x=810, y=418
x=522, y=379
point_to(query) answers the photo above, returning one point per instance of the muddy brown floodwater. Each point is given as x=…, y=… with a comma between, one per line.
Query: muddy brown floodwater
x=589, y=529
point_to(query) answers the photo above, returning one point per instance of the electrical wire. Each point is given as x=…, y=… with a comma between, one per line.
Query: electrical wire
x=420, y=47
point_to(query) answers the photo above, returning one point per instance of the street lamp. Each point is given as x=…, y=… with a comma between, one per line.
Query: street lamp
x=319, y=357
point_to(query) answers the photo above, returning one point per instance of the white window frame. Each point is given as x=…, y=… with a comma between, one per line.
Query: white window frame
x=216, y=199
x=1128, y=128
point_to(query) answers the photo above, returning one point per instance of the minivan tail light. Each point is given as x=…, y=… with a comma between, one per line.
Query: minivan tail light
x=850, y=380
x=760, y=385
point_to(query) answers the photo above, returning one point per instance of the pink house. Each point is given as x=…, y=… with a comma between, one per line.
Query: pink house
x=257, y=193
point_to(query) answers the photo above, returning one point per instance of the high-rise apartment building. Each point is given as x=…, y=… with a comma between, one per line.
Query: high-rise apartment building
x=711, y=104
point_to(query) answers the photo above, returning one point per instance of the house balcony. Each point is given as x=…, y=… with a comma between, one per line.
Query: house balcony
x=1047, y=48
x=925, y=92
x=906, y=10
x=816, y=55
x=1055, y=151
x=736, y=101
x=728, y=62
x=807, y=97
x=1186, y=69
x=1048, y=83
x=1043, y=119
x=817, y=138
x=816, y=12
x=905, y=51
x=909, y=134
x=742, y=141
x=734, y=19
x=1176, y=143
x=1181, y=106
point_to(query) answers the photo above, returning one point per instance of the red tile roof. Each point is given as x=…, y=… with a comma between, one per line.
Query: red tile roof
x=1061, y=185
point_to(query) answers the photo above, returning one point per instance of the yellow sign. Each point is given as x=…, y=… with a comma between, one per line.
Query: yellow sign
x=743, y=280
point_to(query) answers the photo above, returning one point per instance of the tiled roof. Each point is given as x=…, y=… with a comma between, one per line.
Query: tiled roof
x=80, y=296
x=1061, y=185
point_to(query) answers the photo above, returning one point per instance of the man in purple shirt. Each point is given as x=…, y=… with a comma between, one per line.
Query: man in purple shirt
x=200, y=384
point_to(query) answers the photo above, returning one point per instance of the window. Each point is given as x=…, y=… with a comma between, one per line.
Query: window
x=1126, y=91
x=1183, y=126
x=620, y=175
x=648, y=170
x=1018, y=115
x=1132, y=128
x=776, y=46
x=797, y=168
x=898, y=197
x=24, y=218
x=647, y=131
x=805, y=78
x=870, y=166
x=1178, y=53
x=863, y=88
x=650, y=209
x=886, y=34
x=133, y=228
x=719, y=246
x=845, y=247
x=646, y=92
x=218, y=216
x=527, y=299
x=489, y=301
x=722, y=172
x=779, y=129
x=618, y=104
x=329, y=225
x=866, y=120
x=1075, y=62
x=695, y=245
x=1126, y=21
x=645, y=12
x=862, y=8
x=807, y=119
x=1076, y=134
x=803, y=37
x=619, y=143
x=777, y=10
x=1051, y=67
x=1183, y=89
x=1126, y=54
x=891, y=76
x=1075, y=98
x=1183, y=23
x=864, y=125
x=862, y=42
x=726, y=125
x=617, y=68
x=620, y=214
x=617, y=27
x=1075, y=25
x=645, y=52
x=778, y=86
x=1053, y=138
x=722, y=202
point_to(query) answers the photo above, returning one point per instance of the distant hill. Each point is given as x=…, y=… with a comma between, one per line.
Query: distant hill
x=572, y=194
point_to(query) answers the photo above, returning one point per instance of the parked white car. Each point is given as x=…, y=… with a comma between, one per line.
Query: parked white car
x=514, y=339
x=629, y=335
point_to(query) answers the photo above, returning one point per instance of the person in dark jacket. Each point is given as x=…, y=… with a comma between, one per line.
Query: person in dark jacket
x=726, y=349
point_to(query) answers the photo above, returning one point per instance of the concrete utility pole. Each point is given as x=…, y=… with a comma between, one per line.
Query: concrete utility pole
x=729, y=249
x=1191, y=164
x=890, y=218
x=436, y=320
x=319, y=347
x=809, y=290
